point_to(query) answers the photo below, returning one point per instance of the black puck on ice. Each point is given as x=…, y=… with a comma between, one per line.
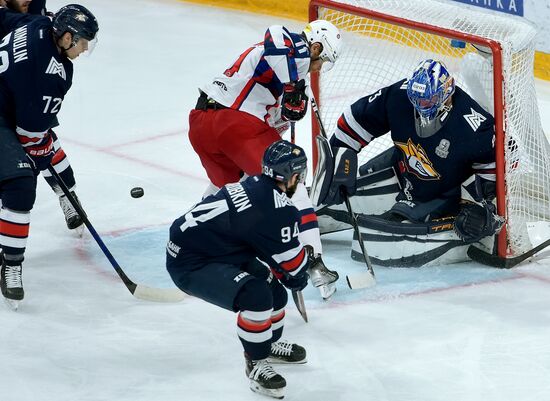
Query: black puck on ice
x=137, y=192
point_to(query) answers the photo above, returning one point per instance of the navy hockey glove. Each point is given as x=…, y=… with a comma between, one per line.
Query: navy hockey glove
x=294, y=102
x=475, y=221
x=297, y=282
x=344, y=180
x=40, y=155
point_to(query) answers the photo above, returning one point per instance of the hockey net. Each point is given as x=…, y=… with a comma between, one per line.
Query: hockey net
x=385, y=40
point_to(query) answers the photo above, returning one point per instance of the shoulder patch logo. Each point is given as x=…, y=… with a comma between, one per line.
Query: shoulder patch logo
x=475, y=119
x=281, y=200
x=56, y=68
x=417, y=161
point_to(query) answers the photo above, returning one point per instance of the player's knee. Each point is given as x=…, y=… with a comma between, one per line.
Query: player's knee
x=280, y=295
x=254, y=296
x=19, y=193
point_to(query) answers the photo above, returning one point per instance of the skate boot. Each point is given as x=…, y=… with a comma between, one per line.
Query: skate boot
x=263, y=379
x=72, y=218
x=11, y=282
x=321, y=277
x=285, y=352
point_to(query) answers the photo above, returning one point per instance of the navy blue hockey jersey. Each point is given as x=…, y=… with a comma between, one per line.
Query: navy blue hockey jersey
x=253, y=218
x=34, y=79
x=429, y=166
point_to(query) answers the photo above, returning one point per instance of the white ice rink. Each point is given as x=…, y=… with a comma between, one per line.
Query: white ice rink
x=455, y=333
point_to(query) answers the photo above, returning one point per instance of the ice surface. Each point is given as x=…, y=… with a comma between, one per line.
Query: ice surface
x=460, y=333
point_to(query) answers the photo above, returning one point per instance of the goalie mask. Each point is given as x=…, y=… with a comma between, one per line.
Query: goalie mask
x=283, y=159
x=429, y=89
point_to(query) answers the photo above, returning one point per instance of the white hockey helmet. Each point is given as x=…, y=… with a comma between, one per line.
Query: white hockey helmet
x=328, y=35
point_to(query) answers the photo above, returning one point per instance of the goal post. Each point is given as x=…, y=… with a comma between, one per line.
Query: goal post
x=490, y=56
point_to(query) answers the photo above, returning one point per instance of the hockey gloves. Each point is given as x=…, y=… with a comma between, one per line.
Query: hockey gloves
x=297, y=282
x=344, y=181
x=295, y=100
x=476, y=221
x=40, y=155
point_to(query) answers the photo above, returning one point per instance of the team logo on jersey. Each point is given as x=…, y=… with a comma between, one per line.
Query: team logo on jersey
x=417, y=161
x=442, y=149
x=475, y=119
x=56, y=68
x=281, y=200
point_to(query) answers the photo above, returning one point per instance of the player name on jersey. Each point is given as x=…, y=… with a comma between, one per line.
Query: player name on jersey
x=20, y=44
x=238, y=196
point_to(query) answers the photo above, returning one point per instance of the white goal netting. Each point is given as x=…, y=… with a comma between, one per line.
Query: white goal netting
x=379, y=51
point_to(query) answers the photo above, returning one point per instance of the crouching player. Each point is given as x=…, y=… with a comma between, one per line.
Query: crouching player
x=235, y=248
x=439, y=175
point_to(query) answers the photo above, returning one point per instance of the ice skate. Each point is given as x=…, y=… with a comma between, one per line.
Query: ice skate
x=72, y=218
x=11, y=284
x=321, y=277
x=283, y=352
x=263, y=379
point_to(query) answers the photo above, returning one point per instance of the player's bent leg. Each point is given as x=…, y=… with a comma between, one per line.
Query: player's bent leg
x=282, y=351
x=254, y=327
x=18, y=196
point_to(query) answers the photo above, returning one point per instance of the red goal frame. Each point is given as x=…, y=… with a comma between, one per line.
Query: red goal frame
x=498, y=85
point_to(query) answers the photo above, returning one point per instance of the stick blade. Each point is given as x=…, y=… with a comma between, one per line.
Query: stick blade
x=158, y=294
x=361, y=280
x=298, y=298
x=480, y=256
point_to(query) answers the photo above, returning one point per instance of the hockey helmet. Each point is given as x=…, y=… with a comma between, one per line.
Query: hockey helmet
x=429, y=88
x=77, y=20
x=283, y=159
x=328, y=35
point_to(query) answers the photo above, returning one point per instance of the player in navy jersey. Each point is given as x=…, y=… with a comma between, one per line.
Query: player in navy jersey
x=248, y=107
x=36, y=72
x=443, y=139
x=18, y=13
x=235, y=248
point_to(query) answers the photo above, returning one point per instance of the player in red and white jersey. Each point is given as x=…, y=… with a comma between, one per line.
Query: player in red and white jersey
x=247, y=108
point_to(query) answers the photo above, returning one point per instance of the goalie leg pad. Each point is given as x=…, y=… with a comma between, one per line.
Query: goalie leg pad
x=396, y=244
x=324, y=172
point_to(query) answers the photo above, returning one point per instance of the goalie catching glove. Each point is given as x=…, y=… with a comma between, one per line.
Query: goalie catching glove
x=294, y=102
x=476, y=221
x=335, y=175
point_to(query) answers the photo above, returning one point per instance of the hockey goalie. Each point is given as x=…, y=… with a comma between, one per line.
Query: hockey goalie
x=424, y=200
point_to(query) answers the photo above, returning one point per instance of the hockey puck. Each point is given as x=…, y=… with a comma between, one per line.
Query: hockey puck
x=137, y=192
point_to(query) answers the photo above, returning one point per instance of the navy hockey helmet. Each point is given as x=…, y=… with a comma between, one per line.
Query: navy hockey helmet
x=77, y=20
x=283, y=159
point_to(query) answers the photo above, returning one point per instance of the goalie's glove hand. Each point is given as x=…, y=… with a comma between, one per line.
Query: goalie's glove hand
x=475, y=221
x=294, y=102
x=344, y=180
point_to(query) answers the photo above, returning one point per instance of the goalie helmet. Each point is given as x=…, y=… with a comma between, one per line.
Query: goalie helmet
x=429, y=88
x=77, y=20
x=328, y=35
x=283, y=159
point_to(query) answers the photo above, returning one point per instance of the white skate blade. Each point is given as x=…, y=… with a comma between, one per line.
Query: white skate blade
x=274, y=393
x=12, y=304
x=360, y=280
x=327, y=290
x=79, y=231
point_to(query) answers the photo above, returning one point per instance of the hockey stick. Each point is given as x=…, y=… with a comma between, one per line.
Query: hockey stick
x=293, y=131
x=298, y=298
x=355, y=281
x=488, y=259
x=137, y=290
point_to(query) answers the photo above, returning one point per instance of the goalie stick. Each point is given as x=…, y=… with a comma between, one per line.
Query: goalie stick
x=137, y=290
x=488, y=259
x=361, y=280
